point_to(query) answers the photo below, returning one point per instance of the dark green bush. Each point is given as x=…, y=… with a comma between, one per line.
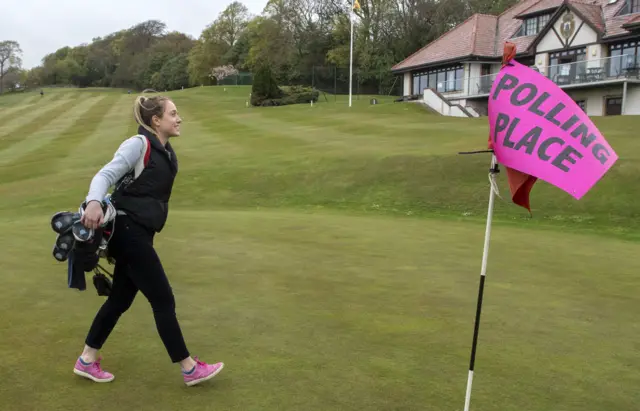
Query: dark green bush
x=264, y=86
x=290, y=95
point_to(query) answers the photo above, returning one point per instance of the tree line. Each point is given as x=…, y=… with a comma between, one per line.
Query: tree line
x=291, y=36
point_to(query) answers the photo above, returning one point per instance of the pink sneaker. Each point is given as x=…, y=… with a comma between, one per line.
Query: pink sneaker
x=201, y=372
x=92, y=371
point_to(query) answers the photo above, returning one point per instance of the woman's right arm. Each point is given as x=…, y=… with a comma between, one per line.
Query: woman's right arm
x=123, y=161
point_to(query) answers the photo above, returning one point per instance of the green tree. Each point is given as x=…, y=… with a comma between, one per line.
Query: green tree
x=173, y=75
x=10, y=59
x=205, y=54
x=264, y=85
x=222, y=42
x=231, y=23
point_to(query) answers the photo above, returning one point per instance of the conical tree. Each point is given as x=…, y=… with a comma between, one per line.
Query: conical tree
x=264, y=86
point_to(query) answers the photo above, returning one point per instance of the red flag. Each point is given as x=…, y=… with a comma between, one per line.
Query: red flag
x=520, y=183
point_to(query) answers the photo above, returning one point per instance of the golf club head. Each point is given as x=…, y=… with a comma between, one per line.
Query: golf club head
x=62, y=221
x=80, y=232
x=64, y=245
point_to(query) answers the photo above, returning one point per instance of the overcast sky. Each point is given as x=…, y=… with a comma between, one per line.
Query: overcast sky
x=43, y=26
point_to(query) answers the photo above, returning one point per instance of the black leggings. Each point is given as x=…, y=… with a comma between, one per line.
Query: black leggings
x=138, y=268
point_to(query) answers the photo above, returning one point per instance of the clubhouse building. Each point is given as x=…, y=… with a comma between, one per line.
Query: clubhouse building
x=590, y=48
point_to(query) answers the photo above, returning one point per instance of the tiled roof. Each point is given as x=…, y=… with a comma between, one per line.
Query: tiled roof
x=458, y=42
x=523, y=43
x=540, y=6
x=592, y=13
x=483, y=35
x=483, y=44
x=634, y=20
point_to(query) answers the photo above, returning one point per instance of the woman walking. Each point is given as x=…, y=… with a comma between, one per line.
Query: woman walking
x=142, y=205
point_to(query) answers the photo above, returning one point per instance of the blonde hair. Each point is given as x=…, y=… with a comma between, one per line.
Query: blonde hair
x=144, y=108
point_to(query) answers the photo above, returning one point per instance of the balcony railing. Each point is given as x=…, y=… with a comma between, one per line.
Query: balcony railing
x=579, y=72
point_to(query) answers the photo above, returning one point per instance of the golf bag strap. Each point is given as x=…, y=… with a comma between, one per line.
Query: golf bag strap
x=144, y=159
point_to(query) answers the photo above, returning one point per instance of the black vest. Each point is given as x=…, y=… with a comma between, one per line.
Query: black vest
x=146, y=199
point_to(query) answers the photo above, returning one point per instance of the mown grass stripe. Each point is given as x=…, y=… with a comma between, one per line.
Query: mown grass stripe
x=12, y=108
x=9, y=100
x=225, y=127
x=100, y=127
x=19, y=114
x=34, y=141
x=16, y=112
x=98, y=147
x=24, y=126
x=43, y=159
x=59, y=95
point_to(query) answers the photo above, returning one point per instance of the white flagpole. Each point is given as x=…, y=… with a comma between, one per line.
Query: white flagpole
x=351, y=55
x=483, y=272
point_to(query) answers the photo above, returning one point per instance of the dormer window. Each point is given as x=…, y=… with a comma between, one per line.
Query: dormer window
x=533, y=25
x=630, y=6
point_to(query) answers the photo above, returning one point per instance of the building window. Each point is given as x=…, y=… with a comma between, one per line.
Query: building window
x=443, y=80
x=531, y=27
x=543, y=20
x=631, y=6
x=566, y=66
x=624, y=57
x=534, y=25
x=582, y=104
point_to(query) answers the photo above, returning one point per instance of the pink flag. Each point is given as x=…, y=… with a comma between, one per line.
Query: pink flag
x=537, y=129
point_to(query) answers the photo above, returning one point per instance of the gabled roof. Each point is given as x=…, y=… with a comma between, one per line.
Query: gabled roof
x=591, y=13
x=483, y=36
x=632, y=24
x=614, y=23
x=539, y=8
x=473, y=37
x=583, y=10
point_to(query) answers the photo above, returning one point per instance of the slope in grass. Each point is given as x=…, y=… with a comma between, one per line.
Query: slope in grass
x=326, y=292
x=80, y=125
x=30, y=120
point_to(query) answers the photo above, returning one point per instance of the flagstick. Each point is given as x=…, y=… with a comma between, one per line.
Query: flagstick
x=483, y=272
x=351, y=55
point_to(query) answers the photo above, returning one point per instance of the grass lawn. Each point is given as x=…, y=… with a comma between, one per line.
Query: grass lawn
x=330, y=257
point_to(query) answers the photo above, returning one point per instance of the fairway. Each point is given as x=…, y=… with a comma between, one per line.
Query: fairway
x=330, y=257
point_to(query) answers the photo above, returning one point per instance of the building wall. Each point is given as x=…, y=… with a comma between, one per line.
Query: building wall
x=632, y=105
x=471, y=81
x=597, y=51
x=475, y=70
x=434, y=101
x=480, y=106
x=454, y=94
x=461, y=101
x=471, y=70
x=407, y=86
x=586, y=35
x=542, y=62
x=595, y=98
x=581, y=35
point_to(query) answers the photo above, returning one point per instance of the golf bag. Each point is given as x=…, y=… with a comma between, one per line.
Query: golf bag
x=82, y=247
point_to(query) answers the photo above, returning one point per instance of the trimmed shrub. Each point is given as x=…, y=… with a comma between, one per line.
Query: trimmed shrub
x=291, y=95
x=266, y=93
x=264, y=86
